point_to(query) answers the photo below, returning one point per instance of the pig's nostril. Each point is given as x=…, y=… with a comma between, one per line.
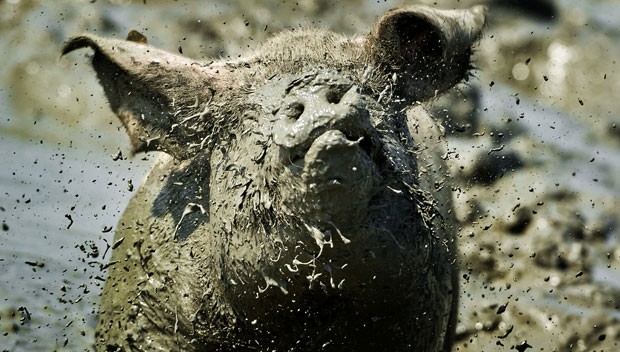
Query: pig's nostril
x=294, y=110
x=333, y=97
x=335, y=94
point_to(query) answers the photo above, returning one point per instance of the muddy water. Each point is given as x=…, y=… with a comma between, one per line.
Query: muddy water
x=548, y=86
x=58, y=205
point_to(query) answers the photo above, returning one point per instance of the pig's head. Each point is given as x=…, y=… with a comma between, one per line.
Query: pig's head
x=304, y=168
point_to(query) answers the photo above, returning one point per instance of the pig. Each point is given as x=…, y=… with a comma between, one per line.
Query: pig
x=300, y=200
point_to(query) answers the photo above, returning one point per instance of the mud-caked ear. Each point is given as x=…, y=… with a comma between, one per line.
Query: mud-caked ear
x=428, y=49
x=161, y=98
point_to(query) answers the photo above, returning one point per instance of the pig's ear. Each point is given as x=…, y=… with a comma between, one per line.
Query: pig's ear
x=428, y=49
x=161, y=98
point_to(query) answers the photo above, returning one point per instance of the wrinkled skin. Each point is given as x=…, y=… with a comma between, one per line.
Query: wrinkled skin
x=301, y=201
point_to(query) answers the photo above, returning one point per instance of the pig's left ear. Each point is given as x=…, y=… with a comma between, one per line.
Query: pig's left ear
x=161, y=98
x=428, y=49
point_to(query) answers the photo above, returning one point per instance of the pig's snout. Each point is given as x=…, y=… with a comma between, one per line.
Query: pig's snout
x=324, y=132
x=316, y=104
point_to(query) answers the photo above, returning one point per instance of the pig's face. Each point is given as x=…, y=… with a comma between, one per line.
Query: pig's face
x=326, y=173
x=300, y=179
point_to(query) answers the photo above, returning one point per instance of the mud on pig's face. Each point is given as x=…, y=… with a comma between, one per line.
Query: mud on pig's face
x=321, y=157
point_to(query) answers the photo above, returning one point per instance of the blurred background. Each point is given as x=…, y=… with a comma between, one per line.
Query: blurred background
x=536, y=123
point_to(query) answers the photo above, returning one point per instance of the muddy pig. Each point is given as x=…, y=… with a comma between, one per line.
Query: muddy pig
x=300, y=201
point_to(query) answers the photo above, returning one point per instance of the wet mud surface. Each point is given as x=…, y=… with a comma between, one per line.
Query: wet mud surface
x=533, y=147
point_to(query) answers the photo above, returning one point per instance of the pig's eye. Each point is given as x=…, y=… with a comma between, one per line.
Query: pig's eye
x=294, y=110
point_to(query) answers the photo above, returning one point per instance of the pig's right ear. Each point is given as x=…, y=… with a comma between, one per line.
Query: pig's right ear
x=428, y=49
x=161, y=98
